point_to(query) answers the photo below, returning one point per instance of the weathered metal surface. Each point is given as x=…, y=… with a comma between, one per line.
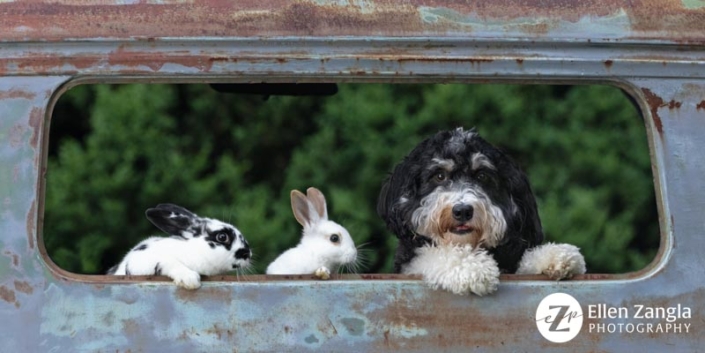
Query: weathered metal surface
x=671, y=20
x=655, y=51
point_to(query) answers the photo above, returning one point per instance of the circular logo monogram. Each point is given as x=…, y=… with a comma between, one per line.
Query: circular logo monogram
x=559, y=317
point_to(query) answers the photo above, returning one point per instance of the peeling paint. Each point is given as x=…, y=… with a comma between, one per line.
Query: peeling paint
x=655, y=102
x=7, y=294
x=24, y=287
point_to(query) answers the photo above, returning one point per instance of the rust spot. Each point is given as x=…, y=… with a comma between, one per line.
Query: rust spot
x=219, y=331
x=185, y=335
x=131, y=327
x=479, y=61
x=15, y=257
x=520, y=61
x=299, y=15
x=15, y=135
x=121, y=56
x=8, y=295
x=442, y=60
x=673, y=104
x=35, y=122
x=386, y=276
x=15, y=93
x=592, y=276
x=216, y=294
x=404, y=314
x=654, y=103
x=701, y=105
x=31, y=225
x=24, y=287
x=537, y=28
x=608, y=64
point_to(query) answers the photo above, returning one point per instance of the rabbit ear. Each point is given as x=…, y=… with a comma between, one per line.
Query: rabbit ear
x=299, y=204
x=170, y=218
x=318, y=202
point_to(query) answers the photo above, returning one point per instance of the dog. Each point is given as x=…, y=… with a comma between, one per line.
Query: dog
x=464, y=212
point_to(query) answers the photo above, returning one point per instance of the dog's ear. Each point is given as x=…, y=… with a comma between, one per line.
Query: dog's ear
x=382, y=207
x=527, y=217
x=390, y=206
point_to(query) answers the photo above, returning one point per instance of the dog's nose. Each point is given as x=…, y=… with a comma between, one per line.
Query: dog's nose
x=462, y=212
x=243, y=253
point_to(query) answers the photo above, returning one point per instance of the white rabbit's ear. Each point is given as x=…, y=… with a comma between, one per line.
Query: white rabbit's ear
x=302, y=211
x=318, y=202
x=171, y=218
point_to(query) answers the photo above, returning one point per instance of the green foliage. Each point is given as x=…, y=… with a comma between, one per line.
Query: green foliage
x=122, y=149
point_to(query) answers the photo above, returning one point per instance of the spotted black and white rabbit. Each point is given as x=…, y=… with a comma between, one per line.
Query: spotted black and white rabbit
x=197, y=246
x=324, y=246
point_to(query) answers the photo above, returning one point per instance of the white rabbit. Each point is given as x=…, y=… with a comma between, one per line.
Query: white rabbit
x=324, y=246
x=197, y=246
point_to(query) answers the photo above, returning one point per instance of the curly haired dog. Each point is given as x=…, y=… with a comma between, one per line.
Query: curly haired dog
x=464, y=212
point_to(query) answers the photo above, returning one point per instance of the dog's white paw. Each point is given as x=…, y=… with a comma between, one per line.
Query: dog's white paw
x=557, y=261
x=187, y=279
x=458, y=269
x=322, y=273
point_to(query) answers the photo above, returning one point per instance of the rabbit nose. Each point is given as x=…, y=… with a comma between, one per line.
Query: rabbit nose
x=243, y=253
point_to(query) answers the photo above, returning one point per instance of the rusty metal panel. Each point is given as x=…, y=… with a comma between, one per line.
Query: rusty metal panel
x=655, y=51
x=679, y=21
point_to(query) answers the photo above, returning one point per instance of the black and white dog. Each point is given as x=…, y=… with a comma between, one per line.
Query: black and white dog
x=464, y=212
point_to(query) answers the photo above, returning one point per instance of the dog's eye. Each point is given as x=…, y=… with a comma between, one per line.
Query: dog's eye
x=482, y=176
x=334, y=238
x=440, y=176
x=222, y=237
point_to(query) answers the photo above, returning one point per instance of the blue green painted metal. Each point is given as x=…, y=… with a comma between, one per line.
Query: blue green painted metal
x=655, y=51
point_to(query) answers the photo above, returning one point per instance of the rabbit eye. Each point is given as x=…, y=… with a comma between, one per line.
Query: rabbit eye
x=222, y=237
x=334, y=238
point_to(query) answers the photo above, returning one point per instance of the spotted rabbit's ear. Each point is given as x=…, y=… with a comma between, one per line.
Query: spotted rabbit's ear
x=317, y=202
x=173, y=219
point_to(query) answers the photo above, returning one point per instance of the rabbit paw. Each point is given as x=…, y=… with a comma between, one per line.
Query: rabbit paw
x=187, y=279
x=322, y=273
x=458, y=269
x=557, y=261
